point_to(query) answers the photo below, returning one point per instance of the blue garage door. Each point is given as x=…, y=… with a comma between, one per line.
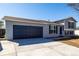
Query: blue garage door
x=20, y=32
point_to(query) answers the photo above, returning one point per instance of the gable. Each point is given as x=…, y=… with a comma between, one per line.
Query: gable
x=67, y=19
x=71, y=19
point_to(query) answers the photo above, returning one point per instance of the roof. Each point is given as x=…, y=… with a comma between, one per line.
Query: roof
x=11, y=18
x=18, y=19
x=65, y=19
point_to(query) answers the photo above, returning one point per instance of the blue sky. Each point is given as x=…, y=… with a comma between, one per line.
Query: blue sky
x=53, y=11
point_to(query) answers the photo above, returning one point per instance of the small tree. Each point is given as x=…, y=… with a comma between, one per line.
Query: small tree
x=74, y=5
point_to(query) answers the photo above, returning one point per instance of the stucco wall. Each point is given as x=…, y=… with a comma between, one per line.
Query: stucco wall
x=9, y=29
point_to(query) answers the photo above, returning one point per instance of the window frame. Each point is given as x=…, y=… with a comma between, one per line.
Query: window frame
x=71, y=25
x=54, y=30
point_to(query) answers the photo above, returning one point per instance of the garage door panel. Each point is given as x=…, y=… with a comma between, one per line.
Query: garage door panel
x=20, y=31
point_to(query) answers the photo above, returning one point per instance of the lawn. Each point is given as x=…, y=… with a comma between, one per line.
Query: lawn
x=73, y=42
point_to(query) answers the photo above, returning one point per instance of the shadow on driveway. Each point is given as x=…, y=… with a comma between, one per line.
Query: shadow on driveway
x=32, y=41
x=41, y=40
x=1, y=47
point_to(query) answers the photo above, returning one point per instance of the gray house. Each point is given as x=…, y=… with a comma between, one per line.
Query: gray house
x=19, y=28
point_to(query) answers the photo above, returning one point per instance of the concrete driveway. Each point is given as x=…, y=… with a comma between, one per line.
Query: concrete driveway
x=45, y=48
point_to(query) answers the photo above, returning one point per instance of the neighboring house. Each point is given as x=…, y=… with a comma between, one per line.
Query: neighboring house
x=19, y=28
x=2, y=32
x=77, y=31
x=2, y=29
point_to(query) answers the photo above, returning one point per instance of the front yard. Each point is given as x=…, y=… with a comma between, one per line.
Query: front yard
x=24, y=47
x=73, y=42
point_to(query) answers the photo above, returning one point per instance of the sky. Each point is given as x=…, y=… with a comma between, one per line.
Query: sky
x=38, y=11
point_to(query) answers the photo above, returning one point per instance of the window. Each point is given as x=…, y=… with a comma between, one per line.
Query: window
x=56, y=29
x=66, y=32
x=70, y=24
x=49, y=27
x=69, y=32
x=50, y=31
x=53, y=29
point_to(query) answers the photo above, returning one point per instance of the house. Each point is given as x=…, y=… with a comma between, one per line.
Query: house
x=2, y=29
x=2, y=32
x=77, y=31
x=19, y=28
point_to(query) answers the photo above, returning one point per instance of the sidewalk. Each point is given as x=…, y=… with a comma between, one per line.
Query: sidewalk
x=8, y=48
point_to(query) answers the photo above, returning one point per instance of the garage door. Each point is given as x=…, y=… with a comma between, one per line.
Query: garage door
x=20, y=31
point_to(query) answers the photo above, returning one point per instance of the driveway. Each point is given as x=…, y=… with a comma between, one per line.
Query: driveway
x=37, y=48
x=22, y=42
x=8, y=48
